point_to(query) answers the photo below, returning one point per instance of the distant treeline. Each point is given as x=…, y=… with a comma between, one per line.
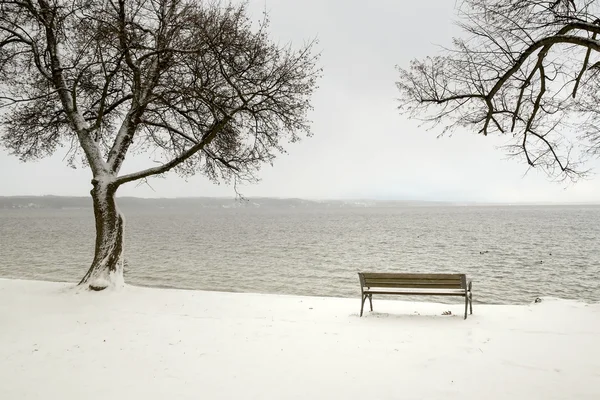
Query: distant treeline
x=62, y=202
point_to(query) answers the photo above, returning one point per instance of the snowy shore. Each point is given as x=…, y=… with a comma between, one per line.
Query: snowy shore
x=58, y=343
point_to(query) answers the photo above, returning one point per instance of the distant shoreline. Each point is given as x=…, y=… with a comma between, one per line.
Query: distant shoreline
x=85, y=202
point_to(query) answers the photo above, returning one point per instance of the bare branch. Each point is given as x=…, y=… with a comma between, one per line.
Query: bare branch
x=517, y=73
x=208, y=137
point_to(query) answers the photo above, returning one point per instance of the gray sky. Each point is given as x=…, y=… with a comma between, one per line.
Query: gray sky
x=362, y=147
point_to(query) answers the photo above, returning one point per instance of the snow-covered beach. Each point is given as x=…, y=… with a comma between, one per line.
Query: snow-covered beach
x=57, y=342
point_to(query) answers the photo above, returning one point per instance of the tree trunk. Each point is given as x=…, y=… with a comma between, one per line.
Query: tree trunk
x=107, y=268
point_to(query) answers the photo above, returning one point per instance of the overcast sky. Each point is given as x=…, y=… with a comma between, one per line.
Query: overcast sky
x=362, y=147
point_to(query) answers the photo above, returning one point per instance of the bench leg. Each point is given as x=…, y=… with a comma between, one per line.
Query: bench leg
x=470, y=287
x=466, y=305
x=362, y=303
x=371, y=301
x=470, y=303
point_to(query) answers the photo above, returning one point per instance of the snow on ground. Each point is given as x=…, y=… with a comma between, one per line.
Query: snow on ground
x=58, y=343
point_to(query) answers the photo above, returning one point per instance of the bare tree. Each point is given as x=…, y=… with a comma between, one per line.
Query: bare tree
x=191, y=81
x=528, y=69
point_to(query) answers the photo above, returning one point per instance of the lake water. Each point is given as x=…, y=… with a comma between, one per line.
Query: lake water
x=513, y=254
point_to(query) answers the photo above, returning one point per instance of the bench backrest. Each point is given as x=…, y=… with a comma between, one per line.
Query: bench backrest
x=417, y=281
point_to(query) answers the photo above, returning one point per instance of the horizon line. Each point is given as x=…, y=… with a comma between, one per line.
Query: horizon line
x=317, y=199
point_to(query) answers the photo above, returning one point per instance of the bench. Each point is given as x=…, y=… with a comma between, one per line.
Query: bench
x=415, y=285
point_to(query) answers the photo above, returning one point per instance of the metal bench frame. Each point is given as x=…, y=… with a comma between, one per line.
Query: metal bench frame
x=416, y=285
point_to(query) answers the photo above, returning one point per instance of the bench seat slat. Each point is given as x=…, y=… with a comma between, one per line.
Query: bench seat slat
x=410, y=280
x=460, y=291
x=417, y=281
x=414, y=285
x=376, y=275
x=416, y=293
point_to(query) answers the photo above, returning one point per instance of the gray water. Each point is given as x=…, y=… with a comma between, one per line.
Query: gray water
x=512, y=254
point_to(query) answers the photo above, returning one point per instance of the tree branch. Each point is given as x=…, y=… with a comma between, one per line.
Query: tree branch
x=210, y=135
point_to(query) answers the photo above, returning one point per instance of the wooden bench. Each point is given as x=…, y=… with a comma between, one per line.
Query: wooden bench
x=414, y=284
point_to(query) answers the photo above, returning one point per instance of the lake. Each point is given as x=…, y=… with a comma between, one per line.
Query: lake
x=513, y=254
